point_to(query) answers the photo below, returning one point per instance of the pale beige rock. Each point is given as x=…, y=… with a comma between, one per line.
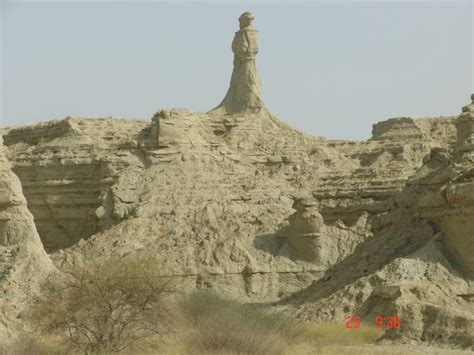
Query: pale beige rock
x=67, y=167
x=206, y=194
x=23, y=261
x=244, y=94
x=453, y=212
x=419, y=266
x=305, y=231
x=465, y=132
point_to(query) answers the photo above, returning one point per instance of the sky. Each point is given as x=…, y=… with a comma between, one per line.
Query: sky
x=328, y=68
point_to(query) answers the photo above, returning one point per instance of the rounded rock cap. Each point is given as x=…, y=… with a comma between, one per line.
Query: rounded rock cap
x=469, y=108
x=247, y=15
x=303, y=202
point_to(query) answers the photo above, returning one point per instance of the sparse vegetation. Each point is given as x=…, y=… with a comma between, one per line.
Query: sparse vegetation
x=104, y=307
x=218, y=325
x=119, y=306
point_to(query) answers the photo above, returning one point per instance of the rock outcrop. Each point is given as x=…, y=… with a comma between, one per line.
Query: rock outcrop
x=67, y=168
x=23, y=261
x=448, y=195
x=305, y=230
x=419, y=264
x=209, y=196
x=213, y=198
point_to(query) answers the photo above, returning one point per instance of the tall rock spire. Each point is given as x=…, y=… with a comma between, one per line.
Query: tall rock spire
x=244, y=94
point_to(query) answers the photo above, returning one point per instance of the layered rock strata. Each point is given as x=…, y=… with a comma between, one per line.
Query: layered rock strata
x=194, y=169
x=67, y=168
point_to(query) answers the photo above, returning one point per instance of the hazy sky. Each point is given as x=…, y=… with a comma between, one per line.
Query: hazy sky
x=328, y=68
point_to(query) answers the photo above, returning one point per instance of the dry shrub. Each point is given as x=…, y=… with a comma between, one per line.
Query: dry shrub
x=104, y=307
x=220, y=326
x=223, y=326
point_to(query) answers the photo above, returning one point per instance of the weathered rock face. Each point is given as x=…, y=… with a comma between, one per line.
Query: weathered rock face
x=448, y=197
x=404, y=271
x=244, y=93
x=81, y=176
x=23, y=261
x=212, y=197
x=196, y=180
x=419, y=264
x=67, y=168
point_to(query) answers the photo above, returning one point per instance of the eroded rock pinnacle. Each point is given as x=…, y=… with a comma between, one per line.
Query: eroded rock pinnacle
x=244, y=94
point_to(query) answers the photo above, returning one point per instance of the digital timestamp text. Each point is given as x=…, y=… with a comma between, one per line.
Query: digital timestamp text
x=390, y=322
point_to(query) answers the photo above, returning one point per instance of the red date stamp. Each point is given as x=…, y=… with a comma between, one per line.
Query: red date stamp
x=390, y=322
x=387, y=322
x=352, y=322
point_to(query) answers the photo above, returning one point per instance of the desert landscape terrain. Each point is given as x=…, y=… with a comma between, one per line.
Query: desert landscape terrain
x=237, y=202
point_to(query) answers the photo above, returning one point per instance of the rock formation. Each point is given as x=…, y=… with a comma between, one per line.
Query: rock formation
x=465, y=129
x=23, y=261
x=244, y=94
x=208, y=194
x=420, y=265
x=449, y=196
x=75, y=163
x=305, y=230
x=238, y=201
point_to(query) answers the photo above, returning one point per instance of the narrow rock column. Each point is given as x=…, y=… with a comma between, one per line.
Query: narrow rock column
x=458, y=224
x=465, y=132
x=244, y=94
